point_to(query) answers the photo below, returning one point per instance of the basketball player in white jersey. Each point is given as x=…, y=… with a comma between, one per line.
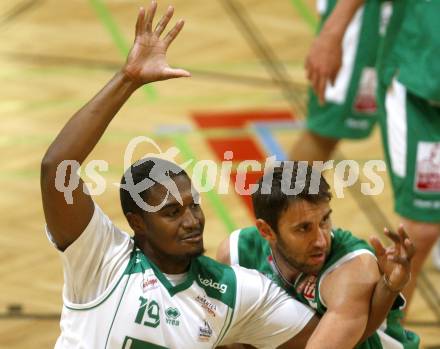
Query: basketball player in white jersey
x=154, y=290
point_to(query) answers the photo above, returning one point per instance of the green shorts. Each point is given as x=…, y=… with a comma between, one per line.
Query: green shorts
x=411, y=137
x=351, y=109
x=341, y=120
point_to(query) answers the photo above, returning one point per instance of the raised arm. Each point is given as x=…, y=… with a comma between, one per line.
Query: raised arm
x=325, y=56
x=66, y=218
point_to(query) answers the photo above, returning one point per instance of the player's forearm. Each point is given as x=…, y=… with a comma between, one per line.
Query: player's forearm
x=82, y=132
x=338, y=21
x=349, y=328
x=381, y=303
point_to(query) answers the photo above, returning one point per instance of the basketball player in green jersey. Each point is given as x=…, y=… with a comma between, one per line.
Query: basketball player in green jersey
x=409, y=100
x=329, y=269
x=349, y=109
x=155, y=290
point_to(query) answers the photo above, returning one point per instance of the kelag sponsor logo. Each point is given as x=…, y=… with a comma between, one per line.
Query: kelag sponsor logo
x=210, y=283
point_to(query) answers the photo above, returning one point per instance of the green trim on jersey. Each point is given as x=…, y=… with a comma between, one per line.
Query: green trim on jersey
x=130, y=266
x=138, y=344
x=116, y=312
x=254, y=252
x=218, y=280
x=226, y=326
x=172, y=290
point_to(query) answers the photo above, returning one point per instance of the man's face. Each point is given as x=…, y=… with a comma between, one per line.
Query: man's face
x=304, y=238
x=175, y=231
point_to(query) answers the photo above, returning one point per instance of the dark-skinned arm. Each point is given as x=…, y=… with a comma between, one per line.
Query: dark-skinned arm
x=146, y=63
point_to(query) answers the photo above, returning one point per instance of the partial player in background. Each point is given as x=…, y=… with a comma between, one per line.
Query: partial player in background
x=409, y=99
x=348, y=109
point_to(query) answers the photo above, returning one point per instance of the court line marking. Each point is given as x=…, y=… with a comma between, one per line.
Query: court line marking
x=305, y=13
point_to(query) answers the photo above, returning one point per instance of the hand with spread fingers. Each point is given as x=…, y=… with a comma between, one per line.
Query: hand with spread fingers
x=395, y=261
x=146, y=61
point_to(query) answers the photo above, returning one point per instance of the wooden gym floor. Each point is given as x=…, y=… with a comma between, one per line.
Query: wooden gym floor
x=246, y=57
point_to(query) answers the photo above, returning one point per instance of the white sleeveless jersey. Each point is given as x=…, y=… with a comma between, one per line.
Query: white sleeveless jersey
x=114, y=297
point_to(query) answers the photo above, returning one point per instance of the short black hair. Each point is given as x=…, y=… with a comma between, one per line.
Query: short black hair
x=139, y=171
x=271, y=199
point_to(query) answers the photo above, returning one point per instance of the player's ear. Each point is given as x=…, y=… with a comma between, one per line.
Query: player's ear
x=136, y=222
x=265, y=230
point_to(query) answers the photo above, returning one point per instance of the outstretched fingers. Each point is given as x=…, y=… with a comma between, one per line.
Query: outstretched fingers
x=393, y=236
x=410, y=248
x=140, y=22
x=377, y=245
x=401, y=231
x=172, y=34
x=160, y=27
x=150, y=16
x=404, y=248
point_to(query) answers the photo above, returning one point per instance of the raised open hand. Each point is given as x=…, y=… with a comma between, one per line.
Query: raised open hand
x=395, y=261
x=146, y=61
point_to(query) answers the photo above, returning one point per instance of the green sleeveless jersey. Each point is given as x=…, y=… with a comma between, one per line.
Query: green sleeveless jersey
x=411, y=48
x=250, y=250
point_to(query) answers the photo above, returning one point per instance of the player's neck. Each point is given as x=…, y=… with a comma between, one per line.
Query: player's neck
x=177, y=267
x=285, y=270
x=166, y=263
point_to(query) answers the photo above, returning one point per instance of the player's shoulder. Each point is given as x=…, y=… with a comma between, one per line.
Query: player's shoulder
x=223, y=282
x=339, y=233
x=248, y=248
x=345, y=240
x=206, y=267
x=205, y=264
x=217, y=279
x=249, y=238
x=345, y=247
x=248, y=232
